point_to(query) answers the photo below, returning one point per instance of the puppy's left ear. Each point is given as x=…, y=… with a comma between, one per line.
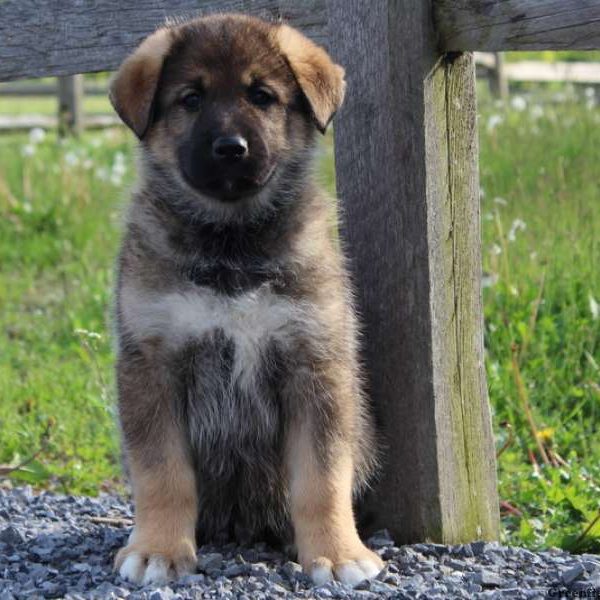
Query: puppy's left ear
x=321, y=80
x=133, y=88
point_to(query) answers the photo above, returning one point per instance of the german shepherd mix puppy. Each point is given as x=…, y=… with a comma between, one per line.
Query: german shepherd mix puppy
x=239, y=388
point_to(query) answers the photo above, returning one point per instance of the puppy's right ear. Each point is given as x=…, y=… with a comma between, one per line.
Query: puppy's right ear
x=133, y=87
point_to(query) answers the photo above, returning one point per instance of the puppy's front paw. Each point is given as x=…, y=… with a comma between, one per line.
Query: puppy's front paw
x=350, y=568
x=153, y=564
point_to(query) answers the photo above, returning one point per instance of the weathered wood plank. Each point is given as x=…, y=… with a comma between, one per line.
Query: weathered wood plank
x=573, y=72
x=494, y=25
x=406, y=158
x=47, y=89
x=62, y=37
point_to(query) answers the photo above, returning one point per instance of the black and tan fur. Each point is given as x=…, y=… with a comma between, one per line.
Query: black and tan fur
x=239, y=386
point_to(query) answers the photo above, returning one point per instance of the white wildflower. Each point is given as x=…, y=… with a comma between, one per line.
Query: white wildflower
x=594, y=308
x=496, y=249
x=559, y=97
x=28, y=150
x=71, y=159
x=37, y=135
x=494, y=367
x=89, y=334
x=119, y=168
x=102, y=174
x=489, y=279
x=536, y=111
x=517, y=225
x=500, y=201
x=518, y=103
x=493, y=122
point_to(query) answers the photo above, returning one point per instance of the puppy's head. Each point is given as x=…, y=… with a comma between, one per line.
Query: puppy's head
x=227, y=103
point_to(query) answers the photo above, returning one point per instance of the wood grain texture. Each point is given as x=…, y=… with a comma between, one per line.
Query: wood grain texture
x=492, y=25
x=62, y=37
x=406, y=162
x=47, y=89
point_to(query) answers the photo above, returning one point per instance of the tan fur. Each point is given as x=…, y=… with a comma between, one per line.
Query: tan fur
x=321, y=506
x=132, y=89
x=166, y=507
x=321, y=80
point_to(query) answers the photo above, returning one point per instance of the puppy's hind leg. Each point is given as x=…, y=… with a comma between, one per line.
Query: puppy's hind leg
x=321, y=509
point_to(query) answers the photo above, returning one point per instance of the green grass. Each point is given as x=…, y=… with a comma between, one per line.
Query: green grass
x=59, y=215
x=539, y=170
x=59, y=229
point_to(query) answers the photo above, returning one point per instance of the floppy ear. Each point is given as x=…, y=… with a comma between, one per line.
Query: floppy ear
x=321, y=80
x=133, y=87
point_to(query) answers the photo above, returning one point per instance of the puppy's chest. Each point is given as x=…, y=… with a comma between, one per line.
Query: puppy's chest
x=251, y=322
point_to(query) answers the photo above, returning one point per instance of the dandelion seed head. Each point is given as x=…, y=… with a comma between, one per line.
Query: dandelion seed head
x=493, y=122
x=518, y=103
x=71, y=159
x=37, y=135
x=536, y=111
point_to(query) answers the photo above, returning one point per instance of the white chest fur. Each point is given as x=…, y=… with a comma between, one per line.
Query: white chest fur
x=251, y=320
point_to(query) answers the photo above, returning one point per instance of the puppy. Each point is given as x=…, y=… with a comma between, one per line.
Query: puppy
x=239, y=387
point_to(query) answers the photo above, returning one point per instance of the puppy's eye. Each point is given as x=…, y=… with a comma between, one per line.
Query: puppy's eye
x=191, y=101
x=260, y=97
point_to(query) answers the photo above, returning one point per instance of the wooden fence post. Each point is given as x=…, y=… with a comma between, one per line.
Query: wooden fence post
x=70, y=105
x=497, y=77
x=407, y=176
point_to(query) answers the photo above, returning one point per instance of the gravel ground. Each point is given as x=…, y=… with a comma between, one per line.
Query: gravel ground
x=54, y=546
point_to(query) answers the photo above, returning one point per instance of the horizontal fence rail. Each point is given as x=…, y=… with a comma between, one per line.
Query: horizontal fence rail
x=83, y=37
x=46, y=89
x=533, y=71
x=495, y=25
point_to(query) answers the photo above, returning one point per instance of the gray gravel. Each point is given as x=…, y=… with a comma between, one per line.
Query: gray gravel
x=54, y=546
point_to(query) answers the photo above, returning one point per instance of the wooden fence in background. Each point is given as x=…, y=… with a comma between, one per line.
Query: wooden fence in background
x=407, y=176
x=69, y=91
x=500, y=73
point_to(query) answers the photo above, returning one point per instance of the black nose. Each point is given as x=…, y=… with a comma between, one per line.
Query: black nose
x=230, y=147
